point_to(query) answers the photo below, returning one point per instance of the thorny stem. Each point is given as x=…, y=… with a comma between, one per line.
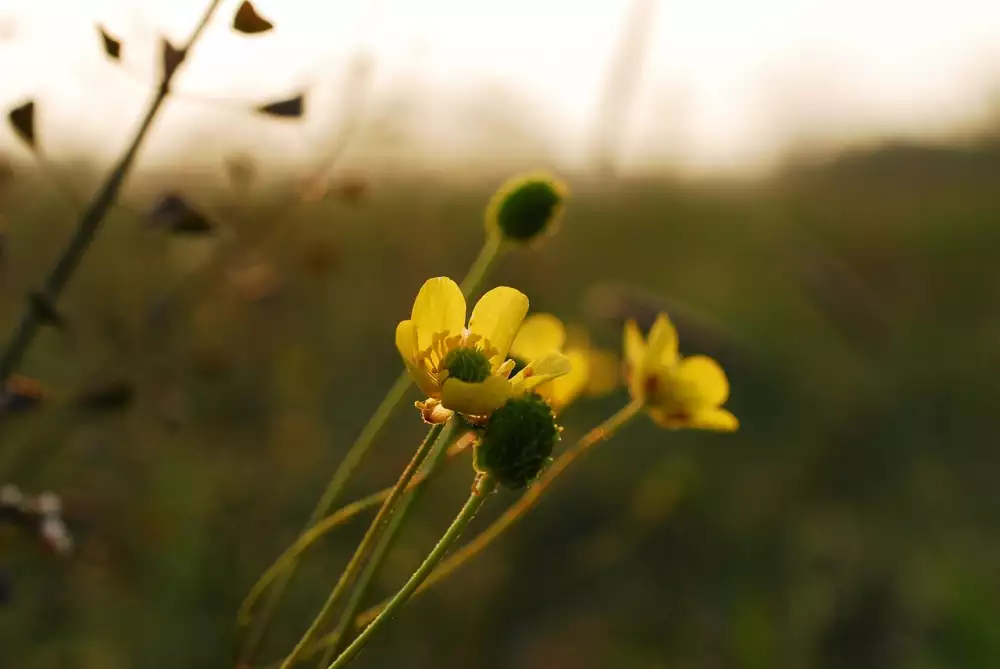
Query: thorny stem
x=42, y=303
x=491, y=251
x=368, y=541
x=481, y=489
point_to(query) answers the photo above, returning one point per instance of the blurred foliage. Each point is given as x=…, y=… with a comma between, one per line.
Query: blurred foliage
x=850, y=523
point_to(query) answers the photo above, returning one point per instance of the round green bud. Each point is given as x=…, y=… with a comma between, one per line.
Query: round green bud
x=467, y=364
x=525, y=207
x=518, y=441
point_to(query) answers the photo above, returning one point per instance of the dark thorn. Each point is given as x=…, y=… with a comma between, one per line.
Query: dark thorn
x=23, y=120
x=174, y=214
x=112, y=47
x=249, y=22
x=292, y=108
x=172, y=58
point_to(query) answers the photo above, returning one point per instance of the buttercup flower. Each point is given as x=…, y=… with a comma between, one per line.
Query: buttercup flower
x=542, y=333
x=678, y=392
x=465, y=369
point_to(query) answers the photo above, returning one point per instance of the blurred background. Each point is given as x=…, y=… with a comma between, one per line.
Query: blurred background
x=810, y=190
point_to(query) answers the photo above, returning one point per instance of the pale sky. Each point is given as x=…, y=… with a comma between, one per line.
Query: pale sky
x=725, y=85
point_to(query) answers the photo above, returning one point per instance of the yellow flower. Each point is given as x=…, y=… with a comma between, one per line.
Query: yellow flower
x=461, y=368
x=604, y=365
x=544, y=333
x=678, y=392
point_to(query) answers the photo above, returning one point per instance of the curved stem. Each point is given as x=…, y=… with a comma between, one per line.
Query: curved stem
x=335, y=520
x=481, y=265
x=490, y=252
x=340, y=634
x=91, y=219
x=368, y=541
x=516, y=511
x=483, y=487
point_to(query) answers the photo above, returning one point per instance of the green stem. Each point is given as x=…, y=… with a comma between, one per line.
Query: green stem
x=368, y=541
x=90, y=221
x=333, y=488
x=346, y=623
x=524, y=503
x=483, y=486
x=490, y=252
x=481, y=266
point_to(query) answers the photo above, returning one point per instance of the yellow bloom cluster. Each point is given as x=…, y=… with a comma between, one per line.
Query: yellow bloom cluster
x=464, y=368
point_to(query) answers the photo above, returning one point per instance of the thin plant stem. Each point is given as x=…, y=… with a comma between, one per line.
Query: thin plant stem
x=481, y=265
x=336, y=519
x=344, y=469
x=516, y=511
x=432, y=467
x=90, y=221
x=490, y=253
x=481, y=489
x=436, y=432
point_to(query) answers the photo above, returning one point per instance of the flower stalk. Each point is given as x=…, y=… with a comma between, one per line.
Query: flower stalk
x=524, y=504
x=368, y=542
x=483, y=486
x=490, y=253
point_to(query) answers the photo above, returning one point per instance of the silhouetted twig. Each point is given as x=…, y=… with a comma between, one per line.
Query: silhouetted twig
x=41, y=305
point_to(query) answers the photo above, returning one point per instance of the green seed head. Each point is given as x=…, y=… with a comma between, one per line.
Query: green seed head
x=518, y=441
x=525, y=207
x=467, y=364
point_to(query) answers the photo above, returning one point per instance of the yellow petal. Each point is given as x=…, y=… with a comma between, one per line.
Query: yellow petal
x=699, y=381
x=539, y=334
x=439, y=307
x=549, y=366
x=475, y=399
x=669, y=421
x=497, y=317
x=662, y=342
x=562, y=390
x=604, y=372
x=635, y=345
x=506, y=368
x=635, y=358
x=428, y=386
x=718, y=420
x=406, y=341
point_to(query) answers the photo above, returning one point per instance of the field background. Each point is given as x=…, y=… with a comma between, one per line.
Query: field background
x=850, y=523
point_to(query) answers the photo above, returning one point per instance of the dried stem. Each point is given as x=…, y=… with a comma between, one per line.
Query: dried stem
x=41, y=305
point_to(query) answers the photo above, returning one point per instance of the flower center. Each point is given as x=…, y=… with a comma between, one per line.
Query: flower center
x=467, y=364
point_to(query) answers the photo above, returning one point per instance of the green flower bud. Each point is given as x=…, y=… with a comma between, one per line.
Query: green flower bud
x=525, y=207
x=467, y=364
x=518, y=441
